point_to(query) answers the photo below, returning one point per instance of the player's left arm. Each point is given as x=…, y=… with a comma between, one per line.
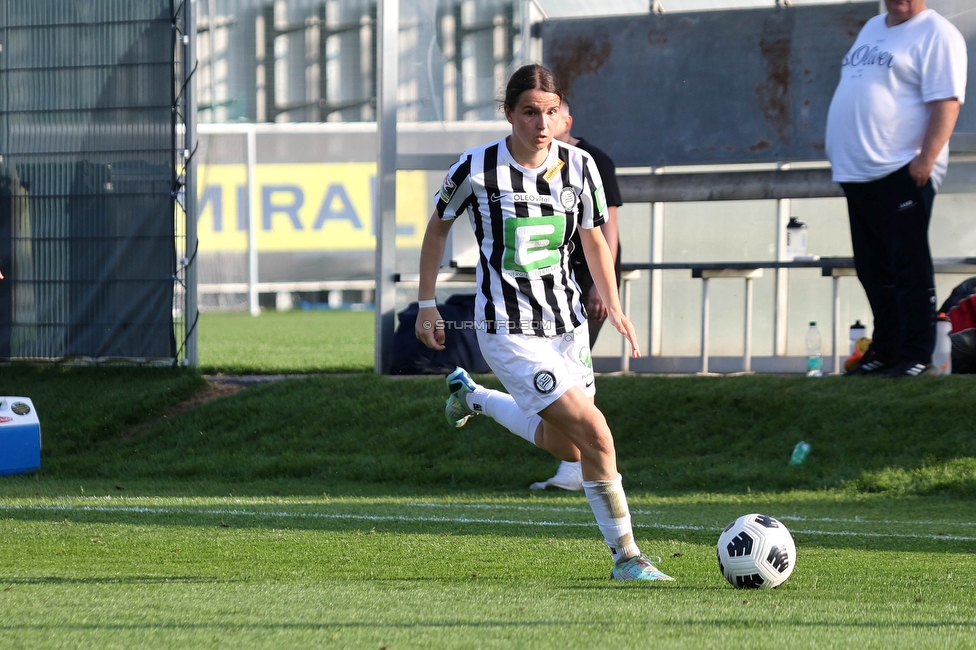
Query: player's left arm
x=595, y=307
x=945, y=112
x=600, y=263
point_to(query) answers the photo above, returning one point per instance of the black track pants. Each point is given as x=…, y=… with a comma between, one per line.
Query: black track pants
x=889, y=230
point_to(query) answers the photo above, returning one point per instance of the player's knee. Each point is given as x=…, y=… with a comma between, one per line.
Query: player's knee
x=596, y=433
x=602, y=443
x=596, y=422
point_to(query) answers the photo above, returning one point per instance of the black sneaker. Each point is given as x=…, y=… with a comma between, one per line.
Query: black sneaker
x=870, y=365
x=913, y=369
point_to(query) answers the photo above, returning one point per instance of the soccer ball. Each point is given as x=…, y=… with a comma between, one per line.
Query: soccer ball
x=756, y=552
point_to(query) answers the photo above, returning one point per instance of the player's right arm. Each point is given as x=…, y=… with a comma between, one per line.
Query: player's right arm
x=452, y=199
x=431, y=254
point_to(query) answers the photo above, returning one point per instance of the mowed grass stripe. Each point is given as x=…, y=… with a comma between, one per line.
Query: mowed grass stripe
x=69, y=501
x=280, y=514
x=284, y=514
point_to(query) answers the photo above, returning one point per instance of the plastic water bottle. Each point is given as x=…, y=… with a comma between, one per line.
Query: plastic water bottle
x=796, y=238
x=800, y=453
x=858, y=331
x=942, y=355
x=814, y=359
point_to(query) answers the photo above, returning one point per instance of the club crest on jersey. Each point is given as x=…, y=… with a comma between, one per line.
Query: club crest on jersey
x=448, y=189
x=552, y=171
x=567, y=198
x=545, y=382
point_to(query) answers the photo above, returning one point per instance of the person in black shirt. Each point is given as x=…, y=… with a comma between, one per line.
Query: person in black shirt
x=596, y=311
x=569, y=475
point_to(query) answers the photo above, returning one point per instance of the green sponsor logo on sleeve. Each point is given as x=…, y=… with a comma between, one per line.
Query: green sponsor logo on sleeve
x=601, y=199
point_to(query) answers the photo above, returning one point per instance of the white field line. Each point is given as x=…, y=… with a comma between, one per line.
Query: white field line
x=500, y=506
x=854, y=520
x=448, y=520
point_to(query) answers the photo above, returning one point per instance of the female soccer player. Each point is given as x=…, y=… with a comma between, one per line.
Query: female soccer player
x=525, y=196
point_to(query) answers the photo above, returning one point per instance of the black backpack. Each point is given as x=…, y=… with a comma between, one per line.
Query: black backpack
x=411, y=357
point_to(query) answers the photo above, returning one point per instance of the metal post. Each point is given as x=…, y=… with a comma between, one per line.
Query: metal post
x=211, y=22
x=373, y=64
x=459, y=60
x=190, y=188
x=270, y=79
x=657, y=279
x=782, y=298
x=508, y=49
x=323, y=56
x=747, y=341
x=526, y=34
x=704, y=326
x=252, y=223
x=624, y=352
x=835, y=317
x=388, y=22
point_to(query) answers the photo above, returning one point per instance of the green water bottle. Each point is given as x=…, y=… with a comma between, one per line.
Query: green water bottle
x=800, y=453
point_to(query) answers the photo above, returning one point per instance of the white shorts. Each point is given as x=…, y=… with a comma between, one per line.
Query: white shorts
x=536, y=371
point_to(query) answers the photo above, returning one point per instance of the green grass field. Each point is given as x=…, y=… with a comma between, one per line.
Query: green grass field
x=469, y=571
x=287, y=342
x=339, y=510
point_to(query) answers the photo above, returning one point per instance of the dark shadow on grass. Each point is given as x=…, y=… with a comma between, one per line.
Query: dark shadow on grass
x=127, y=580
x=719, y=624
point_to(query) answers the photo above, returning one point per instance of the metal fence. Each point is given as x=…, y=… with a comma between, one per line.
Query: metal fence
x=92, y=145
x=315, y=60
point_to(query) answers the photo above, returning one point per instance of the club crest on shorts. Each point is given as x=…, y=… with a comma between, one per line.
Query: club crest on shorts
x=545, y=382
x=567, y=198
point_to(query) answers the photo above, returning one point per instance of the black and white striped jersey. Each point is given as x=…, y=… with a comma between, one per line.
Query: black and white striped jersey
x=523, y=220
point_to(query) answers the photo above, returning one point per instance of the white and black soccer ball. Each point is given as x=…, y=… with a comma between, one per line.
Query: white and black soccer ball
x=756, y=552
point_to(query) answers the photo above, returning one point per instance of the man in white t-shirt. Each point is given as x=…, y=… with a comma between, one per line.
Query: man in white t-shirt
x=901, y=87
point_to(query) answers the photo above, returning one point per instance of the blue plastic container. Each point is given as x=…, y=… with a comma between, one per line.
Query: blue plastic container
x=20, y=436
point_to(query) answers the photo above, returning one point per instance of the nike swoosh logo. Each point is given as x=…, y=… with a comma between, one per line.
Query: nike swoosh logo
x=589, y=383
x=495, y=197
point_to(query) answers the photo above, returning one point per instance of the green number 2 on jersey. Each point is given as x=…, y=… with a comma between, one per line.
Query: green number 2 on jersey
x=532, y=243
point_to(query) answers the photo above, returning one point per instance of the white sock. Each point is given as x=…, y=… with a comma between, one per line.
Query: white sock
x=501, y=408
x=609, y=504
